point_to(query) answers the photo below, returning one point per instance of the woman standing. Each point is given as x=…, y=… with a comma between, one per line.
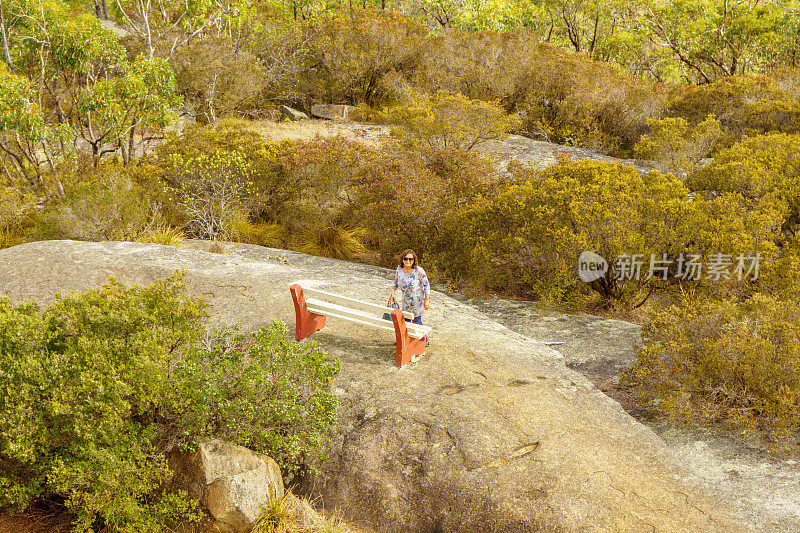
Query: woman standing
x=412, y=281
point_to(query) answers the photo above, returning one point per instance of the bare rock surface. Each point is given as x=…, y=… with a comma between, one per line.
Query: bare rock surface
x=758, y=482
x=292, y=114
x=488, y=431
x=544, y=153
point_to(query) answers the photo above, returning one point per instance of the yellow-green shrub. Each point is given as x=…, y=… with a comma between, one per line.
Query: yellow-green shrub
x=217, y=77
x=486, y=65
x=16, y=208
x=448, y=120
x=405, y=195
x=527, y=238
x=110, y=208
x=354, y=51
x=575, y=100
x=567, y=98
x=763, y=166
x=270, y=189
x=707, y=360
x=675, y=146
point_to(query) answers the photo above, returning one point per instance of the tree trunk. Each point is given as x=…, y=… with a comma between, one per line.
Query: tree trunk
x=130, y=145
x=6, y=52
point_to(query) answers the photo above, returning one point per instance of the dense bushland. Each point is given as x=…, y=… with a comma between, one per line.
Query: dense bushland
x=527, y=239
x=707, y=360
x=100, y=385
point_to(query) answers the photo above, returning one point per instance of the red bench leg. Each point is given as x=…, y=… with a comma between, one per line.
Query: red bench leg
x=406, y=346
x=306, y=322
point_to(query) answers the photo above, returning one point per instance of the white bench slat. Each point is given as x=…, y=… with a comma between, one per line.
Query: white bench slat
x=331, y=309
x=344, y=300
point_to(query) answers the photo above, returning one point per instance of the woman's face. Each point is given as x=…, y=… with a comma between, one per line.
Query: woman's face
x=409, y=259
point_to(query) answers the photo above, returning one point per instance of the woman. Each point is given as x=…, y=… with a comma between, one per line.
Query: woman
x=412, y=281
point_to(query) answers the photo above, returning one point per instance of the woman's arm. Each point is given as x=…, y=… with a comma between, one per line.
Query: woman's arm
x=394, y=287
x=426, y=287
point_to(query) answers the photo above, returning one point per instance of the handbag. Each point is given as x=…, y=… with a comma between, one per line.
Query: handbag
x=393, y=305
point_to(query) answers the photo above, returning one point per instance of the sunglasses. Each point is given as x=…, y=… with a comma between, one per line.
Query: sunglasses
x=408, y=259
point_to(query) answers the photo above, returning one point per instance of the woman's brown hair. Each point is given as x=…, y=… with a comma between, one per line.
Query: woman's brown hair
x=405, y=253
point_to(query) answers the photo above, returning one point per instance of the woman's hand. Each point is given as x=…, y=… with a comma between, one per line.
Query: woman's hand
x=426, y=304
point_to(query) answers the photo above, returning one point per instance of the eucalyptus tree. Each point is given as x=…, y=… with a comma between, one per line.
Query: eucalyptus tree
x=716, y=38
x=74, y=89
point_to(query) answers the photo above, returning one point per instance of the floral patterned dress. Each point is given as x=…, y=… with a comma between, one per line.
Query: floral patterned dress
x=415, y=286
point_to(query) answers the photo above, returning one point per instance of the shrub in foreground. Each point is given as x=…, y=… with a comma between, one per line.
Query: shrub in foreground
x=98, y=386
x=707, y=361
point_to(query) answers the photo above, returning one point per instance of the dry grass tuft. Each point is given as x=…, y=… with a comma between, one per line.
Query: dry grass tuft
x=166, y=235
x=216, y=248
x=9, y=238
x=291, y=514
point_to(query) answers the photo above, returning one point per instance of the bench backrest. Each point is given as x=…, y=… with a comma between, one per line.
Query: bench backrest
x=352, y=302
x=354, y=310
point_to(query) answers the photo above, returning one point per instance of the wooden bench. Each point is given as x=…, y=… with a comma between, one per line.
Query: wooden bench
x=312, y=306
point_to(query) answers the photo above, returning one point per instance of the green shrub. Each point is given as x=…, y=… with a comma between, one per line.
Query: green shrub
x=266, y=392
x=100, y=385
x=706, y=361
x=90, y=405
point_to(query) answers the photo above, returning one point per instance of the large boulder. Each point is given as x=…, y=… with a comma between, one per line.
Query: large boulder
x=233, y=484
x=489, y=431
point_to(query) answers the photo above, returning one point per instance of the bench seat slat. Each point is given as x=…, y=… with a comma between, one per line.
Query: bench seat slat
x=330, y=309
x=344, y=300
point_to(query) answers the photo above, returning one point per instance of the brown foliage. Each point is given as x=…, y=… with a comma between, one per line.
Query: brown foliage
x=743, y=105
x=352, y=54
